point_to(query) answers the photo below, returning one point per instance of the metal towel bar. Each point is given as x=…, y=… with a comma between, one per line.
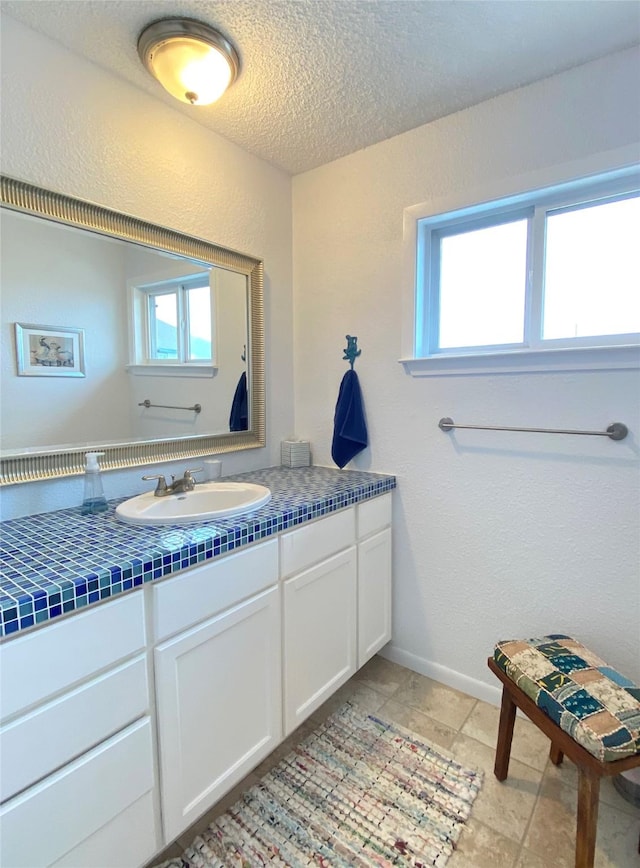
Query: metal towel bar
x=147, y=403
x=615, y=431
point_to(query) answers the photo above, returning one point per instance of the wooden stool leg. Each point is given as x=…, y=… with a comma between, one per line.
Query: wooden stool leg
x=555, y=755
x=586, y=827
x=505, y=735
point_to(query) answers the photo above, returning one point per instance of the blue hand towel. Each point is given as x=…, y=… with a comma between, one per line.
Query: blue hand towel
x=349, y=426
x=239, y=417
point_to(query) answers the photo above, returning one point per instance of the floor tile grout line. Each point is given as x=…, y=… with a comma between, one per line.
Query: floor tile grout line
x=472, y=709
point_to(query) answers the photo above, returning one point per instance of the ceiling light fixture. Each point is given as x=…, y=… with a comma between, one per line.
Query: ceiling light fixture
x=191, y=60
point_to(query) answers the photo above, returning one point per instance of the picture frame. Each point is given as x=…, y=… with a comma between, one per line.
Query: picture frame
x=49, y=351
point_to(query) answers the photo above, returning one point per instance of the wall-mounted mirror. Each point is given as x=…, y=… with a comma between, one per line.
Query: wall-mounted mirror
x=123, y=337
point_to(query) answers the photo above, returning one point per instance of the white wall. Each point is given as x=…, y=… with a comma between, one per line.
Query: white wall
x=54, y=276
x=496, y=535
x=69, y=126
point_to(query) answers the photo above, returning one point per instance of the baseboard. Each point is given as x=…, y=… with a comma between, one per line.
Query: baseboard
x=444, y=675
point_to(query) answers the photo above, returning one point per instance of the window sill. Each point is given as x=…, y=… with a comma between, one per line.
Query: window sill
x=172, y=370
x=525, y=361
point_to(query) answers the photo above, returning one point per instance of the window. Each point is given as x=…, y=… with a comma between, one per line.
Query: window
x=173, y=324
x=555, y=269
x=179, y=318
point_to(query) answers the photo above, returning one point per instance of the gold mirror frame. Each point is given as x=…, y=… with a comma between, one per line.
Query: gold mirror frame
x=37, y=464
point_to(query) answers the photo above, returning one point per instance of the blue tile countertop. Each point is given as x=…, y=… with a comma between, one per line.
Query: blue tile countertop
x=58, y=562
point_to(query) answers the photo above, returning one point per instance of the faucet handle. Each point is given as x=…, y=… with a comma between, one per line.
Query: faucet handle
x=162, y=482
x=188, y=474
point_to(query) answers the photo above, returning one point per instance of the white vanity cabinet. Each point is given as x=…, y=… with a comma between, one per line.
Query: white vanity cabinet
x=122, y=724
x=336, y=602
x=218, y=683
x=76, y=743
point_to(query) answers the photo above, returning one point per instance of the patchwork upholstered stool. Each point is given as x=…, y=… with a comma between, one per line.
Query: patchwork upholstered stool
x=590, y=712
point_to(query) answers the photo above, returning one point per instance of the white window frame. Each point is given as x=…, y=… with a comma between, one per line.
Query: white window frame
x=141, y=291
x=424, y=226
x=430, y=231
x=178, y=287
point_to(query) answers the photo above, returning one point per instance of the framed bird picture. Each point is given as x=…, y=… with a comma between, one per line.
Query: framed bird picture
x=49, y=351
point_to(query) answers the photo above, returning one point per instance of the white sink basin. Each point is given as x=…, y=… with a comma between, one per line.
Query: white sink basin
x=208, y=500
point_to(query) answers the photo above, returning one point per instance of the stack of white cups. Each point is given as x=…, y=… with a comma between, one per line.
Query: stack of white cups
x=212, y=469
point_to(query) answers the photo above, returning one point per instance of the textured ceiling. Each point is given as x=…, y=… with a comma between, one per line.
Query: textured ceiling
x=323, y=78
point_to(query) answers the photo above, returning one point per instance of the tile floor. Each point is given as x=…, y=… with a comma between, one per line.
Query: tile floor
x=526, y=822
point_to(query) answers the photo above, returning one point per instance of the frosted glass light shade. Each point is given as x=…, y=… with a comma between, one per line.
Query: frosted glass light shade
x=193, y=62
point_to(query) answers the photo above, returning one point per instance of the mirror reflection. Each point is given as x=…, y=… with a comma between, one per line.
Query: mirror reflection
x=159, y=333
x=123, y=337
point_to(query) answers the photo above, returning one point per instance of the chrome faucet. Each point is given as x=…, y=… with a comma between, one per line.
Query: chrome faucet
x=177, y=486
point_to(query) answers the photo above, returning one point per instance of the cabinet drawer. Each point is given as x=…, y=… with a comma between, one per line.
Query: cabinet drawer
x=373, y=515
x=127, y=841
x=35, y=745
x=310, y=544
x=47, y=661
x=204, y=591
x=46, y=822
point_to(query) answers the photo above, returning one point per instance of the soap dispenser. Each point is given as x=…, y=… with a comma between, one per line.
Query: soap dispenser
x=94, y=500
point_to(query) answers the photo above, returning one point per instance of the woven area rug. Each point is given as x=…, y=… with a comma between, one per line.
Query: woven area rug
x=357, y=792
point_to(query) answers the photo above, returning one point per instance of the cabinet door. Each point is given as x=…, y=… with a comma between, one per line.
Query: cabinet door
x=319, y=635
x=219, y=706
x=374, y=594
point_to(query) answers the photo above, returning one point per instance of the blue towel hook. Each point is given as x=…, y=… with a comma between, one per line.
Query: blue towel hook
x=351, y=351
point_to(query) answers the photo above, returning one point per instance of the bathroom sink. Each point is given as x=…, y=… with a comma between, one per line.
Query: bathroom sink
x=208, y=500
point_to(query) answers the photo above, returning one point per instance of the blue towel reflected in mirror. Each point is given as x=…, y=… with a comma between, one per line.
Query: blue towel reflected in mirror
x=349, y=425
x=239, y=416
